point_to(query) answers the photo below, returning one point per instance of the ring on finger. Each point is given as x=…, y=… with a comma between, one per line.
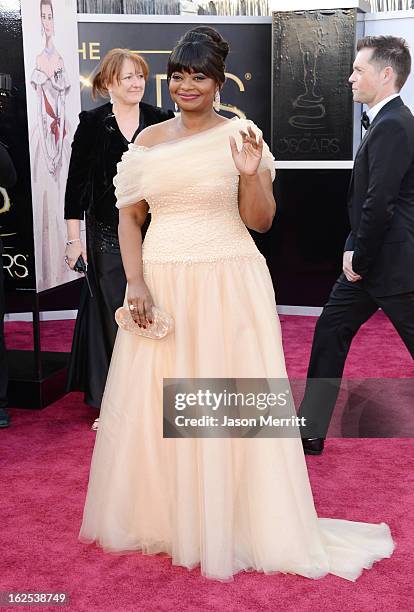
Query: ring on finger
x=132, y=307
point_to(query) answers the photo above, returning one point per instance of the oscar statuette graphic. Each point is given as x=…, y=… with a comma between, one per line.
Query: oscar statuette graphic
x=309, y=104
x=312, y=102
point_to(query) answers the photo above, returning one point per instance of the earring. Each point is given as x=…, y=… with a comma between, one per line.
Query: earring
x=110, y=96
x=216, y=102
x=177, y=110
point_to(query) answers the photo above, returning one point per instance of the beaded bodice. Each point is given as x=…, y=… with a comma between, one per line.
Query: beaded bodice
x=199, y=223
x=191, y=187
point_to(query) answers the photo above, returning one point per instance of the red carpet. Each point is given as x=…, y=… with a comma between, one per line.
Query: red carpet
x=44, y=465
x=376, y=352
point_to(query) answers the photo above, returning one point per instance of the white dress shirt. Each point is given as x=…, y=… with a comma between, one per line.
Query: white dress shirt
x=373, y=112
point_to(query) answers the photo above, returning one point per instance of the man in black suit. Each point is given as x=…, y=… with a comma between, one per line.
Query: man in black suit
x=7, y=179
x=378, y=260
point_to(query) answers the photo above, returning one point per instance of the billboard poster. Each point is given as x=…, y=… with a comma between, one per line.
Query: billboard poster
x=313, y=53
x=53, y=104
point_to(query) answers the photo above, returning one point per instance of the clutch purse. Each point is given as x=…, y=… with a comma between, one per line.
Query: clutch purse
x=162, y=323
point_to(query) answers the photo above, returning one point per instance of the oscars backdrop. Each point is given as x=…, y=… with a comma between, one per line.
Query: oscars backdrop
x=247, y=91
x=313, y=53
x=53, y=103
x=16, y=229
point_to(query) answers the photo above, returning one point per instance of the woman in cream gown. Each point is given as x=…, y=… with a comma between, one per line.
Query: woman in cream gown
x=224, y=504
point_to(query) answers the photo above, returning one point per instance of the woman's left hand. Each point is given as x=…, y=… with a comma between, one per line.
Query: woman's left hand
x=247, y=160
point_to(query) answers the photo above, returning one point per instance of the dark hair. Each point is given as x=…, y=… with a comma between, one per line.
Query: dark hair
x=46, y=3
x=389, y=51
x=111, y=67
x=201, y=49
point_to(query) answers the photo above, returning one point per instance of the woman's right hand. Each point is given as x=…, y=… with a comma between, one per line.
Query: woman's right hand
x=72, y=253
x=140, y=303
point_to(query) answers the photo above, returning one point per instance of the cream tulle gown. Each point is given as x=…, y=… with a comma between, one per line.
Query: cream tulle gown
x=226, y=504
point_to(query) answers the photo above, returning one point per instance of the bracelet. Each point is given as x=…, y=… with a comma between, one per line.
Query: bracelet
x=68, y=242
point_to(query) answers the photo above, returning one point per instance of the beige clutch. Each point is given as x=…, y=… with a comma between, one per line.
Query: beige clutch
x=162, y=323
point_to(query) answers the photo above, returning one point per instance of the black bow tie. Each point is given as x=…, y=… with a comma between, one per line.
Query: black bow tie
x=365, y=120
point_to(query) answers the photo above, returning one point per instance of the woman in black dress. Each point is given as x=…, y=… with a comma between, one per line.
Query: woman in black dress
x=101, y=138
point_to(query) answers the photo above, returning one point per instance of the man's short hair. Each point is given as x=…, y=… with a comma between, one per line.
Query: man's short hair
x=389, y=51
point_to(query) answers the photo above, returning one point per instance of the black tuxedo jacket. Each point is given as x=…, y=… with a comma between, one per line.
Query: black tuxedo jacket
x=381, y=203
x=97, y=148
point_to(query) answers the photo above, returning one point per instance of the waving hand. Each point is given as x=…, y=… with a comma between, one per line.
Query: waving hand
x=247, y=160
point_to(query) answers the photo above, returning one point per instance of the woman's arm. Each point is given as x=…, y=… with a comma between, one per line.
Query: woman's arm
x=75, y=246
x=131, y=220
x=78, y=187
x=257, y=205
x=78, y=184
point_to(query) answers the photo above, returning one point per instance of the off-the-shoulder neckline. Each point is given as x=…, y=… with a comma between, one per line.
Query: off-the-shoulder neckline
x=45, y=73
x=185, y=138
x=48, y=78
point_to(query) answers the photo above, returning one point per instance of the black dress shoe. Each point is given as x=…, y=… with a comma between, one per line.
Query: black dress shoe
x=313, y=446
x=4, y=418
